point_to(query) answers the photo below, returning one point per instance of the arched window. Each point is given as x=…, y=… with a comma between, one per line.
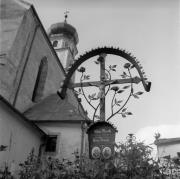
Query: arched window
x=40, y=80
x=55, y=43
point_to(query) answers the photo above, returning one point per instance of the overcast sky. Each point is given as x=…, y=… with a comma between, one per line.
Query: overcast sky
x=148, y=29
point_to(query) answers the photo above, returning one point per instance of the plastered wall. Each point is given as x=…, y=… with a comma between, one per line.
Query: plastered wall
x=18, y=135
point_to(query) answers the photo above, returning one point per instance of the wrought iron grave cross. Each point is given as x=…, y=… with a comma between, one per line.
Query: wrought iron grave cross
x=103, y=83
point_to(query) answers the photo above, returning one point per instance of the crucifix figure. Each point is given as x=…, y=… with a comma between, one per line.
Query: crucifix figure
x=102, y=87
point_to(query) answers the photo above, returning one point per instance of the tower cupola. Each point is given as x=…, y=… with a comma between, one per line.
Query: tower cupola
x=65, y=29
x=64, y=39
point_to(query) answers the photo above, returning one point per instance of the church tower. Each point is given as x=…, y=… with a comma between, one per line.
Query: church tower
x=64, y=39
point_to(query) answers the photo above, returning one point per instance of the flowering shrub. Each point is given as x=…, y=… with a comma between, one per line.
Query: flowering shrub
x=51, y=168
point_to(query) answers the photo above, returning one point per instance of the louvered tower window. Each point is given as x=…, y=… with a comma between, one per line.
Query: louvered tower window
x=55, y=43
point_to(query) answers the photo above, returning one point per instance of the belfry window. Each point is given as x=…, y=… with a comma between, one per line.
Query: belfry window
x=66, y=44
x=55, y=43
x=40, y=80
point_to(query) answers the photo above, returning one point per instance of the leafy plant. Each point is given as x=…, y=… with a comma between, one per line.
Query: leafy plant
x=51, y=168
x=134, y=158
x=29, y=168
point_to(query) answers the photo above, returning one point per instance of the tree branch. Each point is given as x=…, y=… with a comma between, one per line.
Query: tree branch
x=130, y=94
x=84, y=93
x=112, y=103
x=108, y=71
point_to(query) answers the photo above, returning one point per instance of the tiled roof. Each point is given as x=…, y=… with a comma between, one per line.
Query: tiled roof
x=167, y=141
x=53, y=108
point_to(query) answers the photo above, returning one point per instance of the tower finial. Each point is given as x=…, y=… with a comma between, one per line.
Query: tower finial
x=66, y=16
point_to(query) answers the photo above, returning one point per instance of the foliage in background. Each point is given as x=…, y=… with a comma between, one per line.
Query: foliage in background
x=50, y=168
x=132, y=160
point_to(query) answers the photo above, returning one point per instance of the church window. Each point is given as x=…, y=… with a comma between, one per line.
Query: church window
x=51, y=143
x=40, y=80
x=55, y=43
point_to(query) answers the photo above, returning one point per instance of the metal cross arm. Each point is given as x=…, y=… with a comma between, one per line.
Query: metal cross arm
x=135, y=80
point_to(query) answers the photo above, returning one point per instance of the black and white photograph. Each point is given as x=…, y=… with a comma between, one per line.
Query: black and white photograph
x=89, y=89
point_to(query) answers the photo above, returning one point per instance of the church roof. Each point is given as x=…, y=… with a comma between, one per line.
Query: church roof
x=168, y=141
x=53, y=109
x=11, y=15
x=64, y=28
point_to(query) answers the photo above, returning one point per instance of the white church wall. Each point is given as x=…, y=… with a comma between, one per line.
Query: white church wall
x=69, y=138
x=18, y=135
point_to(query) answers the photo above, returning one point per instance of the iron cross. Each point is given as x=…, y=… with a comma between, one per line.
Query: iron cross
x=103, y=83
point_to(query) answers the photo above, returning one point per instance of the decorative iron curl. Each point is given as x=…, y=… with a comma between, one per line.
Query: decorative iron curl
x=104, y=50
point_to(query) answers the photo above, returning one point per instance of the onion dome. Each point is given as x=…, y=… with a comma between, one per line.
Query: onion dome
x=65, y=29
